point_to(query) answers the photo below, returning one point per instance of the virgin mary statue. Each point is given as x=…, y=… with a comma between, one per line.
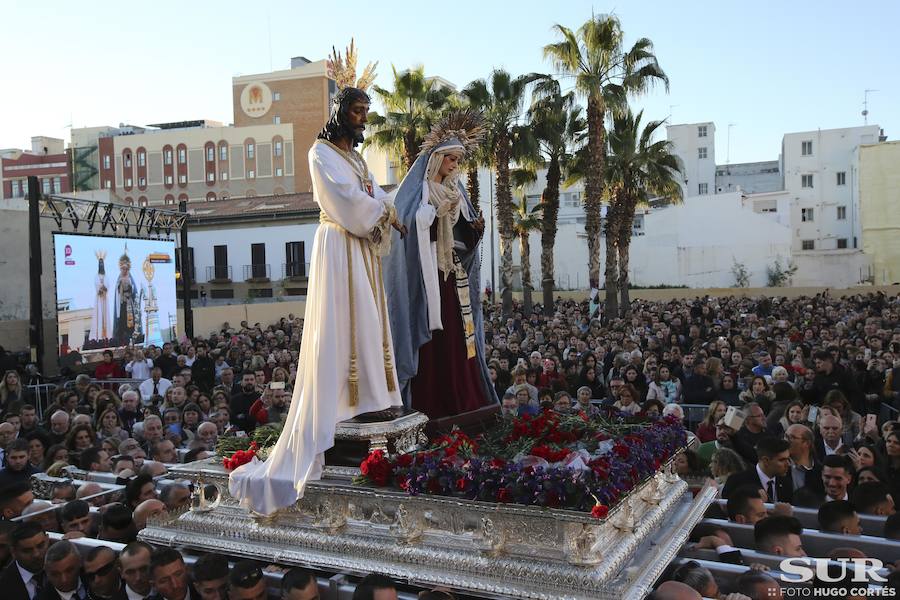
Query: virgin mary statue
x=100, y=325
x=432, y=278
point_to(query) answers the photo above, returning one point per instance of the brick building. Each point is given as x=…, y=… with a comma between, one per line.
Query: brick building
x=299, y=96
x=47, y=160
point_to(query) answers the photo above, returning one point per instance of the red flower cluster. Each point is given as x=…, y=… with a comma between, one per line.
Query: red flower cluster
x=241, y=457
x=377, y=468
x=457, y=443
x=599, y=511
x=549, y=454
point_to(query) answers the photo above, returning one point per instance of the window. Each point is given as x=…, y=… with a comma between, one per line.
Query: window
x=701, y=152
x=128, y=182
x=106, y=161
x=808, y=244
x=142, y=182
x=806, y=215
x=142, y=159
x=169, y=180
x=142, y=201
x=127, y=160
x=224, y=176
x=806, y=148
x=701, y=131
x=258, y=261
x=279, y=171
x=250, y=151
x=278, y=148
x=45, y=186
x=842, y=178
x=842, y=243
x=251, y=174
x=210, y=154
x=182, y=179
x=276, y=120
x=841, y=213
x=182, y=156
x=703, y=189
x=210, y=176
x=190, y=251
x=223, y=152
x=806, y=181
x=108, y=184
x=220, y=262
x=276, y=96
x=170, y=199
x=167, y=157
x=294, y=257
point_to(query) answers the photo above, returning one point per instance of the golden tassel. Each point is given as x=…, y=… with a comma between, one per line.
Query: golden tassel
x=388, y=365
x=353, y=379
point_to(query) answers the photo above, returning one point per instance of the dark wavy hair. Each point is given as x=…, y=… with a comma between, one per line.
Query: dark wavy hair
x=337, y=126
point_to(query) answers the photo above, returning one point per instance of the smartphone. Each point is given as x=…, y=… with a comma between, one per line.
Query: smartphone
x=871, y=422
x=276, y=385
x=813, y=414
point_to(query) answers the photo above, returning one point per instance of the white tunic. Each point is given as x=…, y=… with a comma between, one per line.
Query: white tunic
x=321, y=394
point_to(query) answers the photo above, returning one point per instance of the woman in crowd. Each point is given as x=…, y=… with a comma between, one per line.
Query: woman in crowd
x=706, y=431
x=109, y=425
x=55, y=453
x=724, y=463
x=38, y=443
x=80, y=438
x=794, y=414
x=628, y=401
x=654, y=408
x=588, y=378
x=728, y=391
x=191, y=417
x=663, y=387
x=851, y=419
x=11, y=390
x=634, y=377
x=892, y=463
x=759, y=392
x=687, y=464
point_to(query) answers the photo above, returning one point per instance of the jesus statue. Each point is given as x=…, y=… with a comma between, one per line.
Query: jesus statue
x=346, y=365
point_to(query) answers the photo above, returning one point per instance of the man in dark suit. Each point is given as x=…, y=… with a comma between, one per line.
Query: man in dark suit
x=23, y=578
x=170, y=576
x=62, y=565
x=101, y=575
x=770, y=472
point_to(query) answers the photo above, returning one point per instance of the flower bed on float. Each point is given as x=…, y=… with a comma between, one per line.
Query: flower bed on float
x=552, y=460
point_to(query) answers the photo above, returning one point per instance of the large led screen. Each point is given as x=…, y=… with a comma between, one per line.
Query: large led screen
x=113, y=292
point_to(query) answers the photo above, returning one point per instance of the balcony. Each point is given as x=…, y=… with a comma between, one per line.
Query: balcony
x=218, y=274
x=294, y=270
x=257, y=273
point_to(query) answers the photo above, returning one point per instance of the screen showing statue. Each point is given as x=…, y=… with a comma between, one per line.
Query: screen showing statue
x=113, y=292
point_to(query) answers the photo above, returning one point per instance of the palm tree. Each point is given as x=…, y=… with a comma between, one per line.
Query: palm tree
x=411, y=109
x=501, y=100
x=605, y=73
x=637, y=170
x=526, y=221
x=556, y=122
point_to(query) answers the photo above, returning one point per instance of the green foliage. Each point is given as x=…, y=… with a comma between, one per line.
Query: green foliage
x=779, y=275
x=741, y=275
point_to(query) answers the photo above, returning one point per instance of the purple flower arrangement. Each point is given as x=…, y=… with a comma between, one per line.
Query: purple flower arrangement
x=557, y=461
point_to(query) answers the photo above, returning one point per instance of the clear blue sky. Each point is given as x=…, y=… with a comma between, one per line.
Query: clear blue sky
x=769, y=67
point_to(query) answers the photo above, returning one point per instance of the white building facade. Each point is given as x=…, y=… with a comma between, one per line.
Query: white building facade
x=695, y=145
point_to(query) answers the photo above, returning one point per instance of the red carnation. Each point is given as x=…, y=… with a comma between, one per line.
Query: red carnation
x=461, y=484
x=503, y=495
x=404, y=460
x=599, y=511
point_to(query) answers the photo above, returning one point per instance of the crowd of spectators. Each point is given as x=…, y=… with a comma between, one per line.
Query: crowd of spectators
x=793, y=391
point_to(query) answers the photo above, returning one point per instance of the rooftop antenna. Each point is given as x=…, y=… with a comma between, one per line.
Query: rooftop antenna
x=728, y=144
x=671, y=111
x=865, y=112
